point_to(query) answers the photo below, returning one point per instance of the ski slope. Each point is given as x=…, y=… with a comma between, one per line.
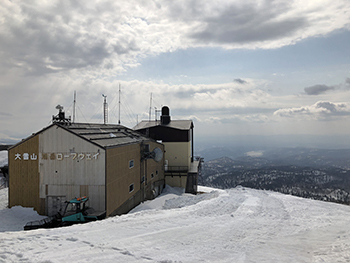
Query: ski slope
x=236, y=225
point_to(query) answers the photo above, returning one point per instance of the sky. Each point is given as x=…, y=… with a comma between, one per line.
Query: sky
x=236, y=68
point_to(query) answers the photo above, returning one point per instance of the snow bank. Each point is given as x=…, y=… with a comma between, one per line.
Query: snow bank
x=3, y=158
x=158, y=203
x=15, y=218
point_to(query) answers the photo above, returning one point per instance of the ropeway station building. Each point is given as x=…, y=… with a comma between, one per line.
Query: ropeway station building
x=116, y=167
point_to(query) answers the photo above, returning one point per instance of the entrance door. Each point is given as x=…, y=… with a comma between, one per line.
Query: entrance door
x=54, y=204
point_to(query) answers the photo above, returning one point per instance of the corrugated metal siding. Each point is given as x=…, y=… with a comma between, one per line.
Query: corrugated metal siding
x=68, y=162
x=120, y=176
x=24, y=174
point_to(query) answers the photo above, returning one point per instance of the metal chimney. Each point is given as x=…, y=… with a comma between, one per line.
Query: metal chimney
x=165, y=118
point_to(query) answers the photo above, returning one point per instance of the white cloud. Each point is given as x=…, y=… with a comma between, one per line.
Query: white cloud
x=48, y=49
x=108, y=37
x=238, y=118
x=321, y=110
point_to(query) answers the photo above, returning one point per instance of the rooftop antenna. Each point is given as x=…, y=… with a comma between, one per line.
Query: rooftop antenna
x=119, y=106
x=60, y=117
x=105, y=109
x=155, y=113
x=150, y=109
x=74, y=101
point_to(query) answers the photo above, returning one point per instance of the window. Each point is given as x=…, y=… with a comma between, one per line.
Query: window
x=152, y=175
x=142, y=179
x=131, y=164
x=131, y=188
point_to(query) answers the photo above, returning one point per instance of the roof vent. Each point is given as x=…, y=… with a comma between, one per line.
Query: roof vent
x=165, y=118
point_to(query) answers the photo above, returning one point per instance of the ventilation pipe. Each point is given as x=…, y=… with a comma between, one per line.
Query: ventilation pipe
x=165, y=118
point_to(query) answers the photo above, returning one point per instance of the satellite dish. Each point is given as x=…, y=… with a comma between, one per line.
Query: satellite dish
x=157, y=154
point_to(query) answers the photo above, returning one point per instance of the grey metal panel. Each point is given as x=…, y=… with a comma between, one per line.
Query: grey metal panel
x=97, y=197
x=106, y=135
x=117, y=142
x=96, y=194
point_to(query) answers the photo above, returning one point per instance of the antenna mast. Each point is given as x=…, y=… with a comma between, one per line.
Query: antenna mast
x=150, y=109
x=105, y=109
x=155, y=113
x=74, y=101
x=119, y=106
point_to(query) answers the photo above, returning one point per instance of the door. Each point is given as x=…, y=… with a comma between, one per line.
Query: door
x=54, y=204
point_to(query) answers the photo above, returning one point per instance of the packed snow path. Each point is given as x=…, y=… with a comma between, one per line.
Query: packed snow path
x=237, y=225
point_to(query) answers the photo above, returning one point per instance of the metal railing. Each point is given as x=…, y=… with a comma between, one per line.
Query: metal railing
x=176, y=169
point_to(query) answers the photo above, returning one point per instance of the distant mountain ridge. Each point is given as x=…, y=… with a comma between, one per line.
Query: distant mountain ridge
x=282, y=156
x=313, y=173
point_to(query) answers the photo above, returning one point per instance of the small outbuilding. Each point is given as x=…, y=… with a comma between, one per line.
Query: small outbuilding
x=115, y=166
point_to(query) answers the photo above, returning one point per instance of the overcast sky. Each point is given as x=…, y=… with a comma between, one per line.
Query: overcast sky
x=251, y=67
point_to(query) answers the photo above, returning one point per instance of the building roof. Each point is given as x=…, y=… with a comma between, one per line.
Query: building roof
x=102, y=135
x=106, y=135
x=175, y=124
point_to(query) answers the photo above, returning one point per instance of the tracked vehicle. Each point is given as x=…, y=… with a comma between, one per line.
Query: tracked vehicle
x=76, y=211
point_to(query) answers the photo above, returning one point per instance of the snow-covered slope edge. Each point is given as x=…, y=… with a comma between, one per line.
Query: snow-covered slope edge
x=15, y=218
x=236, y=225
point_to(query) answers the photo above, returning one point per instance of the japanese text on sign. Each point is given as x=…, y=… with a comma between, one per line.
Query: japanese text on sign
x=26, y=156
x=57, y=156
x=73, y=156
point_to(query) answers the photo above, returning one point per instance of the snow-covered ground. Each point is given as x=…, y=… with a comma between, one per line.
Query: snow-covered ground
x=3, y=158
x=3, y=162
x=236, y=225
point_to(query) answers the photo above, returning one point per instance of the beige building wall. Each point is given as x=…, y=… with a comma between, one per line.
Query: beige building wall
x=121, y=176
x=176, y=181
x=24, y=175
x=178, y=153
x=70, y=167
x=155, y=170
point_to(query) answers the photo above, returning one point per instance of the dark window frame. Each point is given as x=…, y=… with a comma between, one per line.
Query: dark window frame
x=131, y=188
x=131, y=164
